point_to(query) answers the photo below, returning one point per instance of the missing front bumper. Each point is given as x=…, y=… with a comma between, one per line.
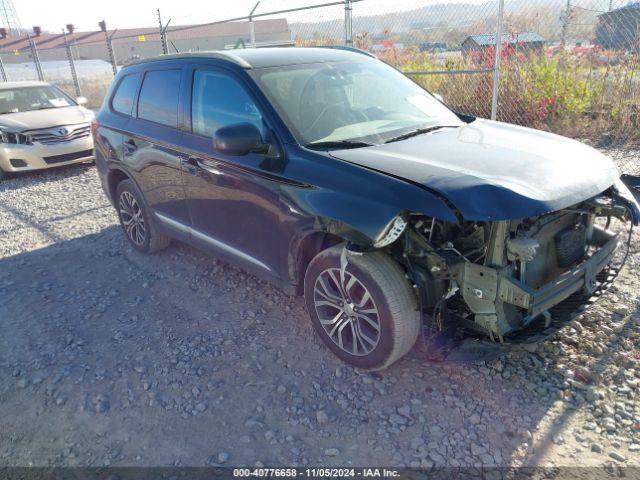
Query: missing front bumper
x=472, y=349
x=564, y=299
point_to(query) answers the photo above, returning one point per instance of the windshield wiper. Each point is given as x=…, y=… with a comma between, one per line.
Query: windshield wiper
x=337, y=144
x=418, y=131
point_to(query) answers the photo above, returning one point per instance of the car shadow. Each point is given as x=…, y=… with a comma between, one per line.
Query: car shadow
x=111, y=333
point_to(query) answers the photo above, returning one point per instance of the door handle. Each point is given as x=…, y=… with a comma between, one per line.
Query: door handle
x=189, y=165
x=208, y=168
x=130, y=146
x=195, y=166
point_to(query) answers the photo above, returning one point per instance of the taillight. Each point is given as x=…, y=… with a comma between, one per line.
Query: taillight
x=95, y=124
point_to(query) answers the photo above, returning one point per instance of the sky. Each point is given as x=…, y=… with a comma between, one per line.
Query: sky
x=85, y=14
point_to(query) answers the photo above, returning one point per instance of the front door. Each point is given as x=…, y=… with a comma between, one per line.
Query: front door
x=233, y=200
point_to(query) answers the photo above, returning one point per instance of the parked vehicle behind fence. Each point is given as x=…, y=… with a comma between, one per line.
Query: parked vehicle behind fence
x=42, y=127
x=336, y=177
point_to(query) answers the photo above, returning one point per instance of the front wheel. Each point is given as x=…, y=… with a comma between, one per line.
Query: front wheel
x=370, y=317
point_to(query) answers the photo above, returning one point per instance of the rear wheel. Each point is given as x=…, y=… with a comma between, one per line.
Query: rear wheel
x=369, y=318
x=136, y=221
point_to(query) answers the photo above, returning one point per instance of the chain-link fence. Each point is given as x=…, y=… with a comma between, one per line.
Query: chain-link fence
x=567, y=66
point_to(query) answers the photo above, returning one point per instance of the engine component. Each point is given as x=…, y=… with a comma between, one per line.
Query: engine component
x=392, y=233
x=570, y=245
x=522, y=248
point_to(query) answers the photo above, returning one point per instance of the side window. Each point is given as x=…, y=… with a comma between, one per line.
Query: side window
x=217, y=101
x=158, y=101
x=122, y=101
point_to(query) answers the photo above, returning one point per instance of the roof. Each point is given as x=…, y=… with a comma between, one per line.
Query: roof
x=273, y=56
x=130, y=35
x=486, y=39
x=10, y=85
x=628, y=8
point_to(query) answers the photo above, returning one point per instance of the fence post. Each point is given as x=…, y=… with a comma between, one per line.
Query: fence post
x=496, y=62
x=107, y=39
x=163, y=35
x=72, y=65
x=566, y=18
x=3, y=72
x=252, y=27
x=36, y=58
x=348, y=23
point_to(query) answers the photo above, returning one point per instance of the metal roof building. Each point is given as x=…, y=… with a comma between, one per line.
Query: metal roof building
x=143, y=42
x=619, y=28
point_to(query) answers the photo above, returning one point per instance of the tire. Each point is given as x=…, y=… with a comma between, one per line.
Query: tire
x=3, y=175
x=391, y=297
x=150, y=241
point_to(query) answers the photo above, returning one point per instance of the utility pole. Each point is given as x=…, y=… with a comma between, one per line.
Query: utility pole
x=252, y=27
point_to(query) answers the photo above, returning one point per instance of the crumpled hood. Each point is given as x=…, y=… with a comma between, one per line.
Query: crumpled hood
x=494, y=171
x=50, y=117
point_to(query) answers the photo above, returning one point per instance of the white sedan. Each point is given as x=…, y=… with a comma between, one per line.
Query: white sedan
x=42, y=127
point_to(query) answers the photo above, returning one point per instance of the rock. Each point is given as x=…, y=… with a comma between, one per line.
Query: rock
x=416, y=443
x=477, y=450
x=438, y=459
x=474, y=419
x=201, y=407
x=617, y=456
x=405, y=411
x=596, y=447
x=101, y=404
x=621, y=309
x=223, y=457
x=321, y=417
x=332, y=452
x=397, y=419
x=23, y=382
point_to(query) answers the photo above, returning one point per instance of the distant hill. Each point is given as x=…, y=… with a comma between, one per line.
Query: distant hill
x=452, y=22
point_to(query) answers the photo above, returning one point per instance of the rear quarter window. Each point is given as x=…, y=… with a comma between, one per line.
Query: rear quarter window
x=123, y=98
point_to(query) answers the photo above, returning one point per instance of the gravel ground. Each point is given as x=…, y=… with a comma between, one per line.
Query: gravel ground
x=111, y=357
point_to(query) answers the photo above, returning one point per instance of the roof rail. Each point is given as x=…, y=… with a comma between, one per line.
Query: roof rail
x=349, y=49
x=220, y=55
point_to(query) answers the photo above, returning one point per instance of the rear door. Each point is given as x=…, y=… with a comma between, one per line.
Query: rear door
x=151, y=147
x=112, y=121
x=233, y=200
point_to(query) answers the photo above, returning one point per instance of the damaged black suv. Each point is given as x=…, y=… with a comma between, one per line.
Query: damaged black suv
x=333, y=175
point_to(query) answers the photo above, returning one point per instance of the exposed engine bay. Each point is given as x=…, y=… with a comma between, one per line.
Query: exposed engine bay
x=491, y=279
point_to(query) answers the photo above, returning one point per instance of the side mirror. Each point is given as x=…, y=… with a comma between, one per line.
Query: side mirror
x=81, y=100
x=238, y=139
x=438, y=96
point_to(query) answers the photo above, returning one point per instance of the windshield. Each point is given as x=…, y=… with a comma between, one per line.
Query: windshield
x=350, y=103
x=25, y=99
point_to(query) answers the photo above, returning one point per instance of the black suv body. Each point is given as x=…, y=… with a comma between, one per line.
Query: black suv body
x=389, y=212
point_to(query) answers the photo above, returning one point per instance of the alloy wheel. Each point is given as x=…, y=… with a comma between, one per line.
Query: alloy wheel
x=347, y=312
x=132, y=218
